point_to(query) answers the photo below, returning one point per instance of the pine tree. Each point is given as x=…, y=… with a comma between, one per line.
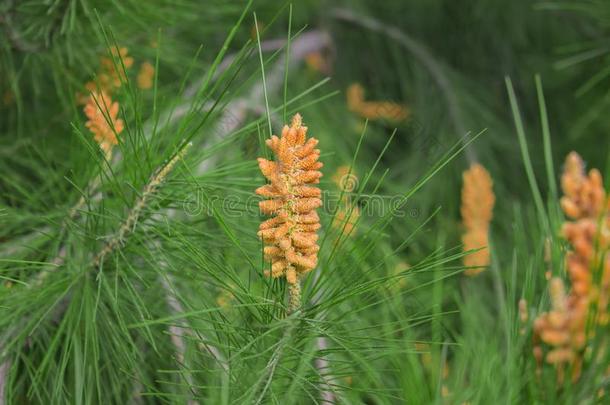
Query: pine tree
x=133, y=264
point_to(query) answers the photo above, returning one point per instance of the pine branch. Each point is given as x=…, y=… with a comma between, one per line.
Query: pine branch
x=130, y=223
x=18, y=247
x=274, y=360
x=234, y=114
x=126, y=228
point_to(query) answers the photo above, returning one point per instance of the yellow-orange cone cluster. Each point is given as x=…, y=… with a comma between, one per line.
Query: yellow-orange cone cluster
x=109, y=77
x=478, y=200
x=319, y=62
x=374, y=110
x=584, y=195
x=290, y=235
x=100, y=110
x=146, y=75
x=523, y=315
x=564, y=328
x=102, y=121
x=348, y=212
